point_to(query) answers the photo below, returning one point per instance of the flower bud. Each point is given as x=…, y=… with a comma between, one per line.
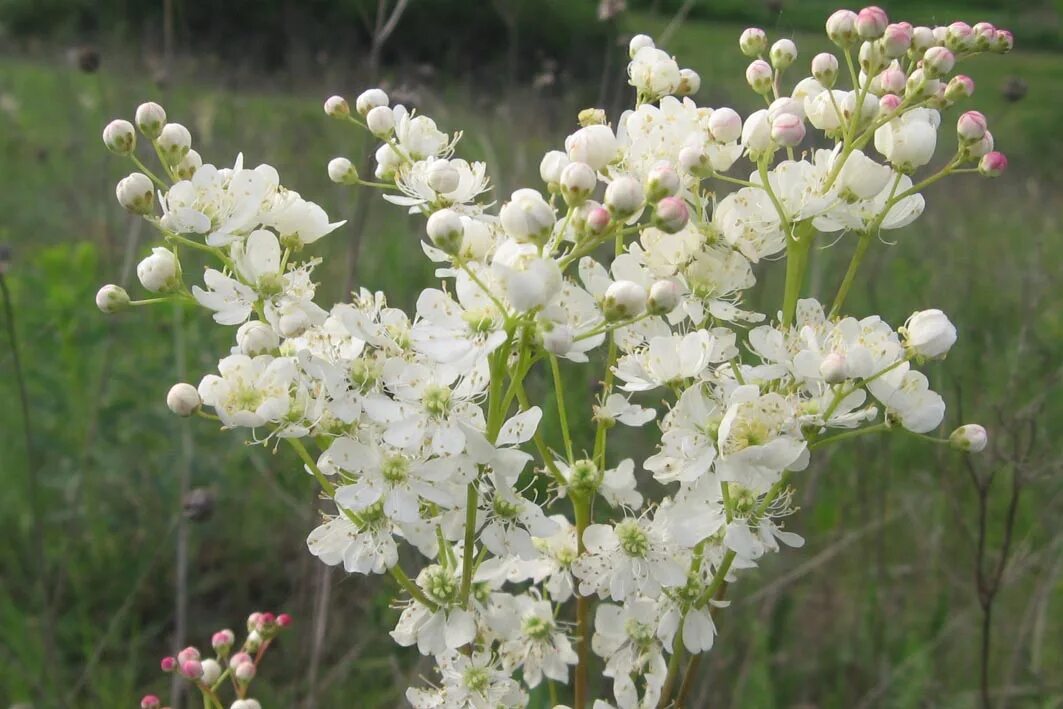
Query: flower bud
x=783, y=53
x=889, y=103
x=787, y=130
x=595, y=145
x=759, y=76
x=112, y=298
x=753, y=42
x=833, y=368
x=160, y=272
x=897, y=40
x=992, y=164
x=342, y=171
x=336, y=107
x=598, y=220
x=150, y=118
x=689, y=82
x=725, y=125
x=255, y=337
x=871, y=23
x=920, y=85
x=239, y=659
x=940, y=33
x=150, y=701
x=591, y=117
x=446, y=231
x=873, y=58
x=756, y=132
x=557, y=339
x=663, y=297
x=578, y=180
x=639, y=41
x=550, y=168
x=623, y=196
x=189, y=653
x=254, y=641
x=694, y=161
x=246, y=704
x=168, y=664
x=192, y=669
x=985, y=34
x=284, y=620
x=222, y=641
x=366, y=101
x=380, y=121
x=120, y=137
x=443, y=177
x=174, y=142
x=661, y=181
x=211, y=671
x=825, y=69
x=136, y=193
x=959, y=87
x=841, y=28
x=959, y=37
x=188, y=166
x=624, y=300
x=293, y=323
x=671, y=215
x=929, y=334
x=1003, y=42
x=892, y=80
x=970, y=437
x=245, y=671
x=922, y=40
x=938, y=61
x=971, y=126
x=527, y=217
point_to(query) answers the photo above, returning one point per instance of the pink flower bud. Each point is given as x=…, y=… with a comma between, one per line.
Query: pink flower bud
x=192, y=669
x=725, y=125
x=753, y=42
x=938, y=61
x=889, y=103
x=985, y=35
x=892, y=80
x=825, y=69
x=239, y=659
x=245, y=671
x=970, y=437
x=189, y=653
x=598, y=220
x=168, y=664
x=841, y=28
x=671, y=215
x=959, y=37
x=284, y=620
x=971, y=126
x=150, y=701
x=759, y=75
x=253, y=621
x=1003, y=42
x=223, y=640
x=661, y=181
x=871, y=22
x=787, y=130
x=959, y=87
x=897, y=39
x=993, y=164
x=982, y=146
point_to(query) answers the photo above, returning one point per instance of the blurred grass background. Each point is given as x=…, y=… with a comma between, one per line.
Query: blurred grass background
x=885, y=605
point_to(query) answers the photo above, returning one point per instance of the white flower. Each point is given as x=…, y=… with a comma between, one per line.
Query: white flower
x=298, y=221
x=635, y=556
x=362, y=549
x=458, y=333
x=908, y=141
x=930, y=334
x=435, y=631
x=249, y=392
x=670, y=360
x=755, y=439
x=469, y=682
x=906, y=393
x=617, y=407
x=625, y=636
x=653, y=73
x=418, y=193
x=539, y=648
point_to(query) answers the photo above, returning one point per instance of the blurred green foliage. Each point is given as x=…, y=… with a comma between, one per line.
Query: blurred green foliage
x=878, y=609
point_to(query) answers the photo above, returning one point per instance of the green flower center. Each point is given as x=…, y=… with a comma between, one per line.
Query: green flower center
x=536, y=628
x=441, y=585
x=395, y=469
x=436, y=401
x=633, y=539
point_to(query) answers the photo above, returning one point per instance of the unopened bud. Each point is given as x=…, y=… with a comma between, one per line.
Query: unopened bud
x=693, y=160
x=970, y=437
x=150, y=118
x=1003, y=42
x=293, y=323
x=443, y=177
x=671, y=215
x=446, y=231
x=112, y=298
x=959, y=37
x=120, y=137
x=787, y=130
x=190, y=163
x=255, y=337
x=985, y=34
x=689, y=82
x=896, y=40
x=833, y=368
x=624, y=300
x=183, y=399
x=871, y=23
x=550, y=168
x=623, y=196
x=168, y=664
x=759, y=76
x=873, y=58
x=938, y=61
x=661, y=181
x=342, y=171
x=578, y=180
x=245, y=671
x=825, y=69
x=150, y=701
x=239, y=659
x=971, y=126
x=992, y=164
x=557, y=339
x=598, y=220
x=753, y=42
x=380, y=121
x=783, y=53
x=211, y=671
x=639, y=41
x=889, y=103
x=192, y=669
x=663, y=297
x=222, y=640
x=366, y=101
x=336, y=107
x=136, y=193
x=591, y=117
x=892, y=80
x=725, y=125
x=959, y=87
x=174, y=142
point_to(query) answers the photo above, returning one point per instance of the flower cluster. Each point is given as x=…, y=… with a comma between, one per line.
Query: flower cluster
x=209, y=674
x=635, y=253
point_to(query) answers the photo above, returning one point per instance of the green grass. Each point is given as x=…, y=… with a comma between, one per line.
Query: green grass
x=889, y=613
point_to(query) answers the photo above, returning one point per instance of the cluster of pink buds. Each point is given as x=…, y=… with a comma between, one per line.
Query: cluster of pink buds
x=208, y=674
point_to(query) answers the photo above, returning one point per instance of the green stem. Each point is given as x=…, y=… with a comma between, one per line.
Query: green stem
x=849, y=434
x=850, y=273
x=410, y=587
x=797, y=249
x=582, y=508
x=323, y=481
x=471, y=499
x=559, y=394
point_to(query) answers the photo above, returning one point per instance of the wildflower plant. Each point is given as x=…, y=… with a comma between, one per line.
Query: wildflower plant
x=523, y=558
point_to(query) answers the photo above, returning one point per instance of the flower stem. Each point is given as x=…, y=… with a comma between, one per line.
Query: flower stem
x=849, y=434
x=582, y=506
x=850, y=273
x=797, y=248
x=559, y=394
x=410, y=587
x=471, y=498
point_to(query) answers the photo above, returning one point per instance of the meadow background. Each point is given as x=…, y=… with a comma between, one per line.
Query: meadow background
x=127, y=532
